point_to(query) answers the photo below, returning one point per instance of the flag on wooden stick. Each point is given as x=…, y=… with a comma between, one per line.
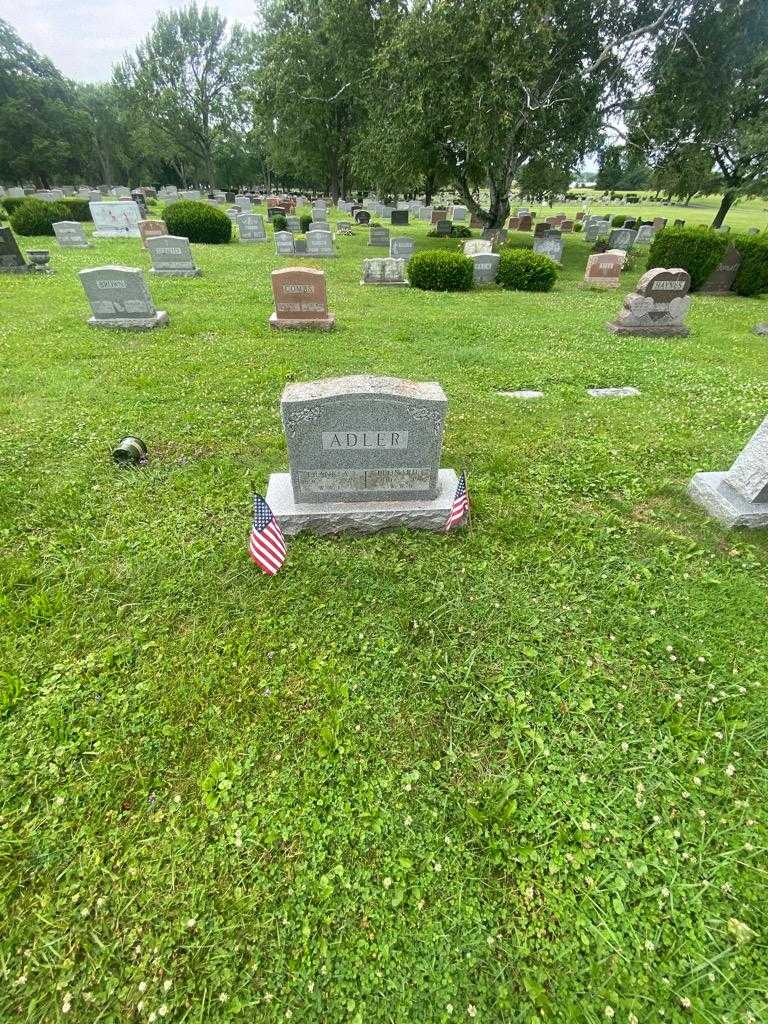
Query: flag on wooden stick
x=460, y=507
x=266, y=544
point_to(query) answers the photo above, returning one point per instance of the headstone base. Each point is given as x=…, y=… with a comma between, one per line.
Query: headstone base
x=599, y=285
x=360, y=517
x=656, y=331
x=719, y=293
x=196, y=272
x=16, y=270
x=139, y=323
x=388, y=284
x=325, y=323
x=117, y=234
x=722, y=502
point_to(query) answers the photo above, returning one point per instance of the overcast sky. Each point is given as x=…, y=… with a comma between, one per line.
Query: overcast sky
x=84, y=38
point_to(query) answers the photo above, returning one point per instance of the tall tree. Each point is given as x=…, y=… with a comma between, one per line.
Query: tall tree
x=508, y=82
x=41, y=126
x=311, y=85
x=709, y=95
x=187, y=77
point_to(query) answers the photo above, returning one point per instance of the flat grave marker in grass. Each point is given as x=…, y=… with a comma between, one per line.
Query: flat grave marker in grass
x=120, y=298
x=364, y=455
x=385, y=270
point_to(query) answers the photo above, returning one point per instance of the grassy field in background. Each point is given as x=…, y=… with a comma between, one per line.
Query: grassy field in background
x=510, y=775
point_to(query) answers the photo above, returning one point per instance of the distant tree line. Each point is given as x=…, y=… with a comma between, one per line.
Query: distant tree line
x=481, y=96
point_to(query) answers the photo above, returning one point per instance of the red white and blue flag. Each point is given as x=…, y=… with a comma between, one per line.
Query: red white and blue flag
x=266, y=544
x=460, y=507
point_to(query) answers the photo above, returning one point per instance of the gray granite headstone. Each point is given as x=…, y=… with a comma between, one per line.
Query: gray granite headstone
x=320, y=243
x=379, y=237
x=720, y=281
x=171, y=256
x=364, y=455
x=243, y=203
x=740, y=496
x=443, y=228
x=294, y=224
x=321, y=224
x=119, y=297
x=11, y=260
x=657, y=307
x=621, y=238
x=399, y=218
x=460, y=214
x=549, y=246
x=401, y=247
x=250, y=227
x=70, y=234
x=644, y=234
x=384, y=270
x=485, y=267
x=284, y=243
x=477, y=245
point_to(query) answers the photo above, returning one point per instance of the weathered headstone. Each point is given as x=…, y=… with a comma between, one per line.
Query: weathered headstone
x=320, y=243
x=399, y=218
x=525, y=223
x=119, y=298
x=443, y=228
x=344, y=227
x=720, y=281
x=243, y=203
x=657, y=306
x=644, y=234
x=661, y=222
x=250, y=228
x=541, y=229
x=379, y=237
x=621, y=238
x=284, y=244
x=319, y=225
x=294, y=224
x=300, y=300
x=11, y=260
x=401, y=247
x=384, y=270
x=550, y=246
x=566, y=226
x=460, y=214
x=171, y=256
x=151, y=229
x=364, y=455
x=679, y=223
x=115, y=220
x=603, y=270
x=514, y=223
x=740, y=496
x=485, y=267
x=70, y=234
x=477, y=245
x=362, y=216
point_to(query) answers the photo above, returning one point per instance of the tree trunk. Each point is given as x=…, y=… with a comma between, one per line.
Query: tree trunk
x=729, y=197
x=499, y=206
x=429, y=188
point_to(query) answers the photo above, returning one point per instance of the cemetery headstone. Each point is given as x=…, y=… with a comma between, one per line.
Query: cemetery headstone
x=294, y=224
x=300, y=300
x=362, y=216
x=171, y=256
x=151, y=229
x=70, y=234
x=657, y=307
x=550, y=246
x=364, y=455
x=401, y=247
x=399, y=218
x=477, y=245
x=661, y=222
x=644, y=234
x=243, y=203
x=115, y=220
x=250, y=228
x=384, y=270
x=541, y=229
x=119, y=298
x=438, y=215
x=720, y=281
x=460, y=214
x=11, y=260
x=566, y=226
x=343, y=227
x=603, y=270
x=621, y=238
x=300, y=246
x=379, y=237
x=740, y=496
x=284, y=244
x=320, y=243
x=443, y=228
x=525, y=223
x=679, y=223
x=485, y=267
x=514, y=223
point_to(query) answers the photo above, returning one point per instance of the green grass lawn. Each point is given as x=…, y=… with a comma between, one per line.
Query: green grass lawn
x=514, y=774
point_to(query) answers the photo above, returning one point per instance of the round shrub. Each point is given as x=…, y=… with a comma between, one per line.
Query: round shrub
x=526, y=271
x=37, y=217
x=752, y=275
x=578, y=226
x=279, y=222
x=304, y=221
x=198, y=222
x=697, y=250
x=440, y=271
x=618, y=220
x=78, y=208
x=460, y=231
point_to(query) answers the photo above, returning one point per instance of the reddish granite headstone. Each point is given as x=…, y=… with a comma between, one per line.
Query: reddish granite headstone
x=603, y=270
x=151, y=229
x=439, y=215
x=513, y=223
x=526, y=223
x=300, y=300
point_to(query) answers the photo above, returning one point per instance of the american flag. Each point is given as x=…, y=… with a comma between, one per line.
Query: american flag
x=266, y=545
x=460, y=506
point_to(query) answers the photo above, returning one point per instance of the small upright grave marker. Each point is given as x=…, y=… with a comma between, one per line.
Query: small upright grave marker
x=151, y=229
x=603, y=270
x=119, y=298
x=379, y=237
x=171, y=256
x=250, y=228
x=485, y=267
x=11, y=260
x=115, y=220
x=70, y=234
x=300, y=300
x=720, y=281
x=401, y=247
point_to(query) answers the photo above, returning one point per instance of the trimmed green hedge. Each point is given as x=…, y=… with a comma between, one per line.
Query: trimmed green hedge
x=37, y=216
x=304, y=221
x=697, y=250
x=526, y=271
x=618, y=220
x=79, y=209
x=440, y=271
x=198, y=222
x=12, y=203
x=752, y=275
x=279, y=222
